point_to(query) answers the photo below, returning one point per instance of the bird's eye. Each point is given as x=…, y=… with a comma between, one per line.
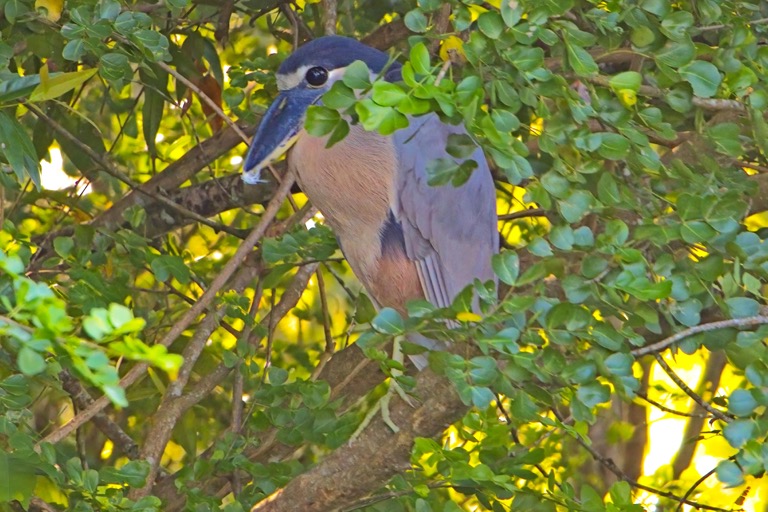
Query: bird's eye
x=316, y=76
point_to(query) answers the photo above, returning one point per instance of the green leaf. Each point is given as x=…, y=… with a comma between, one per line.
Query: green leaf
x=613, y=146
x=608, y=189
x=658, y=7
x=483, y=370
x=576, y=206
x=460, y=145
x=19, y=478
x=738, y=432
x=741, y=403
x=491, y=24
x=593, y=393
x=320, y=120
x=154, y=44
x=676, y=25
x=482, y=397
x=726, y=137
x=642, y=36
x=338, y=133
x=511, y=13
x=416, y=21
x=556, y=184
x=277, y=376
x=429, y=5
x=562, y=237
x=687, y=312
x=115, y=68
x=154, y=103
x=619, y=364
x=119, y=315
x=580, y=60
x=96, y=324
x=506, y=265
x=729, y=473
x=74, y=50
x=109, y=9
x=388, y=321
x=742, y=307
x=441, y=171
x=627, y=80
x=18, y=150
x=132, y=474
x=703, y=77
x=583, y=236
x=63, y=246
x=60, y=84
x=676, y=54
x=387, y=94
x=419, y=58
x=166, y=266
x=385, y=120
x=357, y=75
x=338, y=97
x=30, y=361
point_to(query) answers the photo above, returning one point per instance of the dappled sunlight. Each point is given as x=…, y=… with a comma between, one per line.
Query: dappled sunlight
x=53, y=177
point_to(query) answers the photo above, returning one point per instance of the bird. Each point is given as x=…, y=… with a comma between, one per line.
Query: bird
x=403, y=238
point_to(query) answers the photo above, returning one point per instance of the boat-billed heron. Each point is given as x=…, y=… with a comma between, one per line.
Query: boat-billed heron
x=403, y=238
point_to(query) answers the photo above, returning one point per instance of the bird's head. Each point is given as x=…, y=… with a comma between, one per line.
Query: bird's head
x=301, y=80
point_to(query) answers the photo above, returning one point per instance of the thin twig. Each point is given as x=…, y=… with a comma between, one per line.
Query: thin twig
x=205, y=98
x=378, y=498
x=694, y=486
x=294, y=23
x=667, y=409
x=531, y=212
x=329, y=344
x=685, y=333
x=759, y=21
x=513, y=433
x=688, y=391
x=443, y=70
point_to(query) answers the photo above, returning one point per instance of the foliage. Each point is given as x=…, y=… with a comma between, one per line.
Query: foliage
x=628, y=140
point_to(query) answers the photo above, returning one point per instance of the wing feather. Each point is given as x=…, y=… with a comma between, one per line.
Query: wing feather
x=450, y=232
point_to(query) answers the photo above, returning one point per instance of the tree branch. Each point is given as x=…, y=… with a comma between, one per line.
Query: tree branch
x=109, y=428
x=381, y=452
x=696, y=329
x=655, y=92
x=688, y=391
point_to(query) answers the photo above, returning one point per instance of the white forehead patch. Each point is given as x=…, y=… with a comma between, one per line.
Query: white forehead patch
x=291, y=80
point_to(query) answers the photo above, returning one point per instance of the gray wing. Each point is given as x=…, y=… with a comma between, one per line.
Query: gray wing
x=450, y=232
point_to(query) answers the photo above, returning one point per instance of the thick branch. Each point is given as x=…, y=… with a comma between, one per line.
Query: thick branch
x=175, y=174
x=379, y=451
x=387, y=35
